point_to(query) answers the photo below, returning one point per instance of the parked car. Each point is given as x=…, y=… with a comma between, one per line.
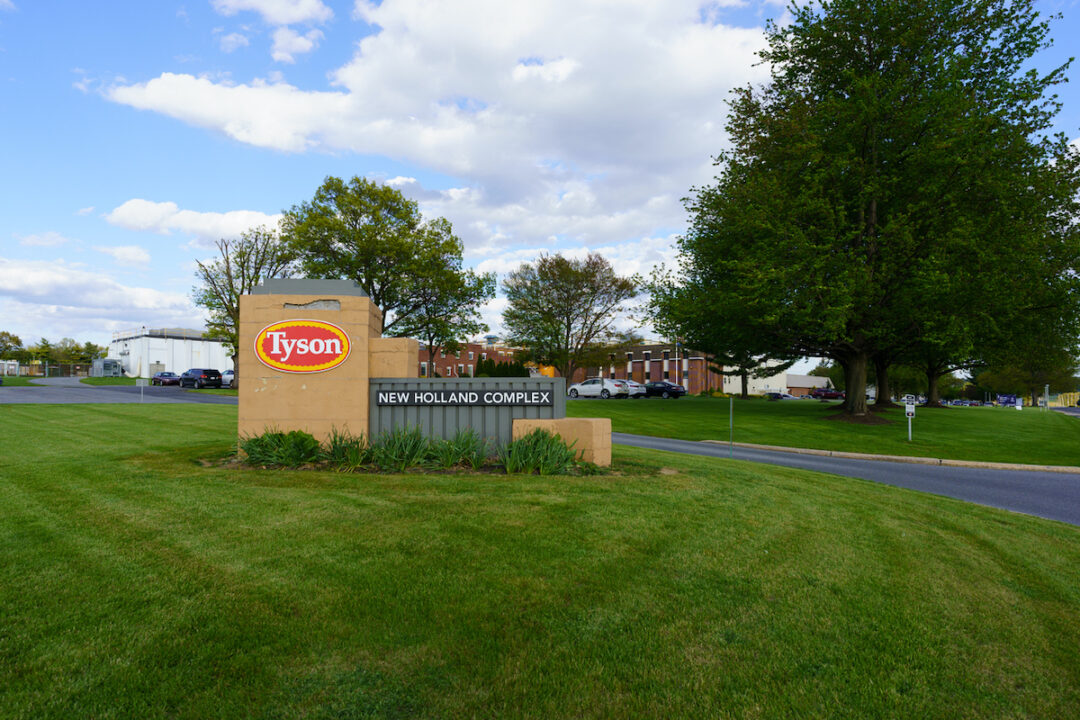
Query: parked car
x=199, y=378
x=165, y=378
x=599, y=387
x=827, y=394
x=664, y=389
x=227, y=378
x=636, y=389
x=779, y=396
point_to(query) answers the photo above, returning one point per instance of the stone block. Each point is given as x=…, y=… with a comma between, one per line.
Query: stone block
x=592, y=435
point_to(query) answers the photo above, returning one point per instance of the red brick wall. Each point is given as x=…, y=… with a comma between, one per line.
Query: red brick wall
x=452, y=360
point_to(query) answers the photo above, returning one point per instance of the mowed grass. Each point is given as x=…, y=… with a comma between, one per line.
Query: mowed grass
x=136, y=580
x=108, y=381
x=958, y=433
x=17, y=381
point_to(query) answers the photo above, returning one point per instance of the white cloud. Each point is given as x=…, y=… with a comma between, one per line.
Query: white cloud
x=555, y=71
x=565, y=125
x=288, y=43
x=206, y=227
x=126, y=254
x=85, y=210
x=278, y=12
x=53, y=294
x=7, y=5
x=45, y=239
x=233, y=41
x=629, y=258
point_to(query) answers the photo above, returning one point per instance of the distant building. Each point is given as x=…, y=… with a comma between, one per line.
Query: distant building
x=463, y=362
x=805, y=384
x=783, y=382
x=144, y=352
x=649, y=363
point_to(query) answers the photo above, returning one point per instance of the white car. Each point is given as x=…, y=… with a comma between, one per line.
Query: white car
x=636, y=389
x=599, y=387
x=227, y=378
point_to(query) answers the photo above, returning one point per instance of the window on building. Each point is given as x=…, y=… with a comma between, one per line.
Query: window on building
x=667, y=375
x=471, y=374
x=629, y=357
x=442, y=353
x=449, y=371
x=470, y=354
x=423, y=369
x=483, y=356
x=648, y=355
x=667, y=354
x=460, y=370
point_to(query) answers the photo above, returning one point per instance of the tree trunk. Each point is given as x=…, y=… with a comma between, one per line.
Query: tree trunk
x=855, y=384
x=236, y=370
x=884, y=392
x=745, y=376
x=933, y=394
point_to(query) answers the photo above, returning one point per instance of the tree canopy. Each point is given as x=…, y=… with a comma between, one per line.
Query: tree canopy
x=564, y=310
x=370, y=233
x=448, y=304
x=894, y=188
x=242, y=263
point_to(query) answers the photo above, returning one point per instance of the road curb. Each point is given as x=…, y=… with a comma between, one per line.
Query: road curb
x=914, y=460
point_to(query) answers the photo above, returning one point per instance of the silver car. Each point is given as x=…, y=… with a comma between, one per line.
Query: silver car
x=599, y=387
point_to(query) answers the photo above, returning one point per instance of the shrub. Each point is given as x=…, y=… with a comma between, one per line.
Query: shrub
x=539, y=452
x=291, y=449
x=347, y=451
x=474, y=450
x=400, y=449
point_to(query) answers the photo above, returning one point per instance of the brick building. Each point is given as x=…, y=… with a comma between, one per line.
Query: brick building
x=649, y=363
x=462, y=363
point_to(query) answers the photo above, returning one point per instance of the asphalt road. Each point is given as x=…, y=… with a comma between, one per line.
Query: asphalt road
x=70, y=390
x=1055, y=496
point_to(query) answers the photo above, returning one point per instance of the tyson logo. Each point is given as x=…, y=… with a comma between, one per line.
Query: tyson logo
x=302, y=346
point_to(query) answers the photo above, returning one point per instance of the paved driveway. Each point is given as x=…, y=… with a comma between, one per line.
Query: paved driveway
x=70, y=390
x=1055, y=496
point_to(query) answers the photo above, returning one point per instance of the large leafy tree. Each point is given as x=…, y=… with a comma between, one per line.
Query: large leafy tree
x=896, y=142
x=9, y=344
x=242, y=263
x=448, y=309
x=564, y=311
x=370, y=233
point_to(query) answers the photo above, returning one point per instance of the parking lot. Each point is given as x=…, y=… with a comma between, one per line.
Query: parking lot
x=71, y=391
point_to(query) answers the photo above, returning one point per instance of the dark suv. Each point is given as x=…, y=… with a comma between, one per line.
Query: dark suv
x=200, y=377
x=827, y=394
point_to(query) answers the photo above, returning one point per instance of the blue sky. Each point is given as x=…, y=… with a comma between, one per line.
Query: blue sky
x=136, y=133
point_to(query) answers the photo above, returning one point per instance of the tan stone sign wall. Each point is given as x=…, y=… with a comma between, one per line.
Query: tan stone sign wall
x=316, y=402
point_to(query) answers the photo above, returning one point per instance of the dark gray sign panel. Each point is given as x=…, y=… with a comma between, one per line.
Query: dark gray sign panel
x=442, y=407
x=463, y=397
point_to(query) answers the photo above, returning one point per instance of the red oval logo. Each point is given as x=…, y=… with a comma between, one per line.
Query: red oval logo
x=302, y=346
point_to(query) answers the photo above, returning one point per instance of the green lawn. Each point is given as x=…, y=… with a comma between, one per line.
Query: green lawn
x=108, y=380
x=960, y=433
x=18, y=381
x=137, y=580
x=215, y=391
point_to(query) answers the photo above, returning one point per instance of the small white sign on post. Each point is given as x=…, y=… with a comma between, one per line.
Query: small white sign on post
x=909, y=410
